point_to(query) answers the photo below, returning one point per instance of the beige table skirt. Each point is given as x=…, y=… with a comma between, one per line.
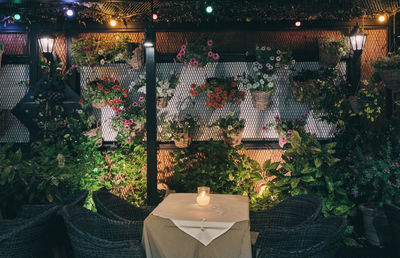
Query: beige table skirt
x=162, y=239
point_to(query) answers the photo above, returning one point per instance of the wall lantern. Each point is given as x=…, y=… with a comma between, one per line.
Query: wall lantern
x=357, y=39
x=46, y=45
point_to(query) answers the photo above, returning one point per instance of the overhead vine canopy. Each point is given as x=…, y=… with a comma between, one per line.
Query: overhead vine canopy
x=193, y=11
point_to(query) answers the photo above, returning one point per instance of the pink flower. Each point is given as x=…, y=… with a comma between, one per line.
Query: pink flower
x=141, y=99
x=123, y=121
x=283, y=138
x=130, y=121
x=135, y=104
x=355, y=194
x=174, y=61
x=183, y=47
x=182, y=52
x=179, y=56
x=397, y=180
x=128, y=139
x=289, y=158
x=388, y=182
x=127, y=127
x=210, y=42
x=314, y=134
x=264, y=128
x=276, y=117
x=119, y=110
x=397, y=164
x=192, y=60
x=185, y=63
x=355, y=171
x=289, y=131
x=216, y=56
x=117, y=115
x=306, y=114
x=210, y=54
x=195, y=63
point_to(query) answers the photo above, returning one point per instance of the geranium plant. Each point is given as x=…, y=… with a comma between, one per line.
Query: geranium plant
x=175, y=129
x=90, y=51
x=219, y=92
x=197, y=53
x=129, y=120
x=165, y=87
x=269, y=59
x=106, y=91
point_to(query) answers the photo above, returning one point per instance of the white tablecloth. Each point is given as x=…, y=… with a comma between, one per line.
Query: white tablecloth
x=204, y=223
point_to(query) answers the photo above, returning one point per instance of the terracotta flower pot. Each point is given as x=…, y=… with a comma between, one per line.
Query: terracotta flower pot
x=184, y=140
x=233, y=139
x=391, y=78
x=261, y=99
x=99, y=105
x=376, y=227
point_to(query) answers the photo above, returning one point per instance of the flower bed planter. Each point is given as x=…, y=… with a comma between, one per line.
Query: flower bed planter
x=391, y=78
x=233, y=139
x=376, y=227
x=184, y=140
x=261, y=99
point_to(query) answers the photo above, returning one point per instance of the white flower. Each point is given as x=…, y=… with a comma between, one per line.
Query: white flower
x=268, y=49
x=142, y=89
x=186, y=123
x=260, y=66
x=217, y=127
x=170, y=92
x=79, y=111
x=263, y=48
x=40, y=113
x=100, y=52
x=142, y=77
x=278, y=58
x=270, y=78
x=256, y=63
x=286, y=67
x=255, y=68
x=249, y=86
x=265, y=76
x=257, y=84
x=180, y=125
x=116, y=59
x=270, y=67
x=230, y=127
x=262, y=81
x=102, y=62
x=270, y=84
x=271, y=58
x=278, y=52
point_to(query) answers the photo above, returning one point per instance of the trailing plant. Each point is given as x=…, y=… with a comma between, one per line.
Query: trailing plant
x=269, y=59
x=174, y=129
x=216, y=165
x=91, y=51
x=197, y=53
x=106, y=90
x=219, y=92
x=257, y=80
x=129, y=120
x=164, y=88
x=369, y=101
x=229, y=125
x=389, y=62
x=340, y=47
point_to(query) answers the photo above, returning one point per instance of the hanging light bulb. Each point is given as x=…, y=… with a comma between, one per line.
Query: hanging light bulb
x=70, y=12
x=382, y=18
x=113, y=22
x=209, y=9
x=297, y=24
x=17, y=17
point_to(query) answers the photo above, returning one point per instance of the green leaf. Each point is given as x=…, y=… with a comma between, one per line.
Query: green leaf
x=329, y=184
x=307, y=179
x=318, y=162
x=294, y=182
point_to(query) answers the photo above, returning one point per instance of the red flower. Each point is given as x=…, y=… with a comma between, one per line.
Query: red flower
x=219, y=105
x=107, y=91
x=105, y=79
x=114, y=101
x=218, y=99
x=241, y=92
x=114, y=108
x=125, y=96
x=236, y=100
x=196, y=93
x=215, y=105
x=203, y=86
x=193, y=86
x=119, y=101
x=242, y=98
x=110, y=103
x=208, y=104
x=124, y=90
x=116, y=87
x=223, y=102
x=100, y=87
x=111, y=78
x=234, y=84
x=233, y=91
x=192, y=92
x=80, y=102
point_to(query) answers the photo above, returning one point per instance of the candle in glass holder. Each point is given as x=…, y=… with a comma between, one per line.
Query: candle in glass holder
x=203, y=196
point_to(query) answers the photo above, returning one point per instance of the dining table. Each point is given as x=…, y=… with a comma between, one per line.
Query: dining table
x=179, y=227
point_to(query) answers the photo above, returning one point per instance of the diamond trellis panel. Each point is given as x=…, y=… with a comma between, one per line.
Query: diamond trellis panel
x=60, y=49
x=10, y=94
x=282, y=103
x=15, y=43
x=375, y=46
x=110, y=37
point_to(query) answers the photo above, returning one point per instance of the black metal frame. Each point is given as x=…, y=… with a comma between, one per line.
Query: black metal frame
x=151, y=59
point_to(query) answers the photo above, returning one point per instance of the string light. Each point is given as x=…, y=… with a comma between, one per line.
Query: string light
x=209, y=9
x=382, y=18
x=113, y=22
x=297, y=24
x=17, y=17
x=69, y=12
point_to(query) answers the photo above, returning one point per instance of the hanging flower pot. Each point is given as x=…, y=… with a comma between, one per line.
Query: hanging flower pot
x=354, y=104
x=137, y=60
x=182, y=140
x=138, y=129
x=261, y=99
x=3, y=118
x=162, y=102
x=99, y=104
x=376, y=227
x=232, y=139
x=328, y=57
x=391, y=78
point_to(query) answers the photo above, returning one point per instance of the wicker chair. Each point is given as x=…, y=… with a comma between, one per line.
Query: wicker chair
x=116, y=208
x=291, y=213
x=393, y=214
x=28, y=234
x=320, y=239
x=93, y=235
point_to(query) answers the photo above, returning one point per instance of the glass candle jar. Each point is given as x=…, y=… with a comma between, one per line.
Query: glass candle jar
x=203, y=195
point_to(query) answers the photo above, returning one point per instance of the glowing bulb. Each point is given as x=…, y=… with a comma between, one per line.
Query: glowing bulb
x=381, y=18
x=297, y=24
x=17, y=17
x=70, y=13
x=155, y=16
x=209, y=9
x=113, y=23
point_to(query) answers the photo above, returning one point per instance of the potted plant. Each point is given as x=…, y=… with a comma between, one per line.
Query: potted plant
x=1, y=51
x=130, y=120
x=91, y=51
x=285, y=128
x=302, y=83
x=106, y=91
x=374, y=179
x=330, y=51
x=232, y=129
x=165, y=89
x=197, y=53
x=367, y=102
x=388, y=68
x=261, y=86
x=220, y=91
x=180, y=131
